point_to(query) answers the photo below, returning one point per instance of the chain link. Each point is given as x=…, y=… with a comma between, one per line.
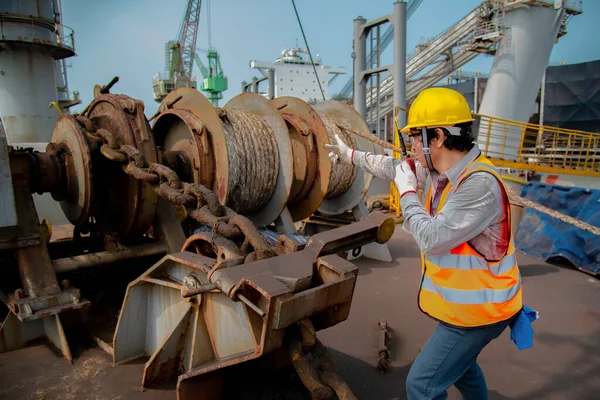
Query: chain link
x=207, y=210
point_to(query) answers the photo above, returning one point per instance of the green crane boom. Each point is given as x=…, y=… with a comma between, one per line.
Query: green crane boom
x=180, y=56
x=214, y=82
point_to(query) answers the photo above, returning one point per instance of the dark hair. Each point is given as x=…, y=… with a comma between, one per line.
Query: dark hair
x=464, y=142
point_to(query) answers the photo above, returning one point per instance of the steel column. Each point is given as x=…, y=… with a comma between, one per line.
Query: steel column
x=540, y=137
x=271, y=77
x=378, y=80
x=399, y=21
x=476, y=95
x=360, y=64
x=542, y=98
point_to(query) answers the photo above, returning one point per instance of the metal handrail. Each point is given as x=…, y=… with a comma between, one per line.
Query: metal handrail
x=538, y=145
x=62, y=35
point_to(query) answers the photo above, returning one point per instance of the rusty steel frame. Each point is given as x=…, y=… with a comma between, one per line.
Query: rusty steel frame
x=235, y=312
x=89, y=260
x=34, y=308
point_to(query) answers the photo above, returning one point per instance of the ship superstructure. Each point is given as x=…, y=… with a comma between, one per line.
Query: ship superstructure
x=295, y=75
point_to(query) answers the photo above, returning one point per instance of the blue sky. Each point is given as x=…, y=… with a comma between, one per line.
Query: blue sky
x=127, y=37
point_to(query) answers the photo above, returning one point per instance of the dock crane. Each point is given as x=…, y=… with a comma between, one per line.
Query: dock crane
x=180, y=55
x=214, y=82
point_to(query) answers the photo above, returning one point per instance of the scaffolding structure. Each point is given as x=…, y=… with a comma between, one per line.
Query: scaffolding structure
x=479, y=32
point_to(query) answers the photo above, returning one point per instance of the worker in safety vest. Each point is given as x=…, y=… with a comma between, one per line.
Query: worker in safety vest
x=470, y=280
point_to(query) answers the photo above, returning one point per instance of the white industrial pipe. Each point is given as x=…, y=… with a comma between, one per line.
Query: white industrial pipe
x=516, y=74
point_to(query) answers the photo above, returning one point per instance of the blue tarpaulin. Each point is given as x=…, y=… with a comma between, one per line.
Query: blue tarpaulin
x=542, y=236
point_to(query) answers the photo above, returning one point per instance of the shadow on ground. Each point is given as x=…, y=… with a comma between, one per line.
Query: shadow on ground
x=537, y=270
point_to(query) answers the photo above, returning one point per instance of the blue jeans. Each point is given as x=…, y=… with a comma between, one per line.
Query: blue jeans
x=450, y=358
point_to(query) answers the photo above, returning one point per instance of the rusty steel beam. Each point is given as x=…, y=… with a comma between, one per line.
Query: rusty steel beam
x=68, y=264
x=201, y=313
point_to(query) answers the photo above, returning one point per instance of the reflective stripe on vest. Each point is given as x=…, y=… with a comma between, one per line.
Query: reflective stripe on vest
x=479, y=296
x=469, y=263
x=462, y=288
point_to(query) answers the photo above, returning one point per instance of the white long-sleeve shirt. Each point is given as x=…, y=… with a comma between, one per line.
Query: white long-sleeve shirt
x=476, y=212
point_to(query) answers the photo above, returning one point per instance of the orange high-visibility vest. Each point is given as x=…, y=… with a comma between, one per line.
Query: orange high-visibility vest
x=462, y=288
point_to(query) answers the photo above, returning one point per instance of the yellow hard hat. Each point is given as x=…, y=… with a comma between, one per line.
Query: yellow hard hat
x=438, y=107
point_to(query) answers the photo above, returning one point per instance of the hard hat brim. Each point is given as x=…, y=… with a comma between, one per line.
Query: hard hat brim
x=410, y=126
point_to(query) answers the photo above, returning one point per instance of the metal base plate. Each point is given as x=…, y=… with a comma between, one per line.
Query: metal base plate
x=15, y=334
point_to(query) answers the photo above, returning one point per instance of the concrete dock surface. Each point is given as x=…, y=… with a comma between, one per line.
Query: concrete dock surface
x=564, y=362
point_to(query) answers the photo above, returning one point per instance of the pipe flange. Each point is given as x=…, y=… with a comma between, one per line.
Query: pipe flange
x=195, y=102
x=186, y=145
x=69, y=136
x=125, y=205
x=308, y=201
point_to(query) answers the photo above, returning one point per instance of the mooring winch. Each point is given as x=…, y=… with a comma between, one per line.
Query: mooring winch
x=194, y=188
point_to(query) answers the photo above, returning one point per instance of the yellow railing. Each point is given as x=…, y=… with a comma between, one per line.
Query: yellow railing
x=394, y=195
x=530, y=147
x=519, y=145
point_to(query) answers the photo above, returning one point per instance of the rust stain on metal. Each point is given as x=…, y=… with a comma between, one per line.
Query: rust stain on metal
x=174, y=196
x=141, y=174
x=210, y=245
x=262, y=248
x=307, y=373
x=313, y=301
x=206, y=218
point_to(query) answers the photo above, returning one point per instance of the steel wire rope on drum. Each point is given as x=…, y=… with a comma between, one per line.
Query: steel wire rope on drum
x=342, y=175
x=253, y=160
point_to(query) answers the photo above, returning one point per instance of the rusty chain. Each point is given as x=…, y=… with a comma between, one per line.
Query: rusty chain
x=203, y=202
x=318, y=374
